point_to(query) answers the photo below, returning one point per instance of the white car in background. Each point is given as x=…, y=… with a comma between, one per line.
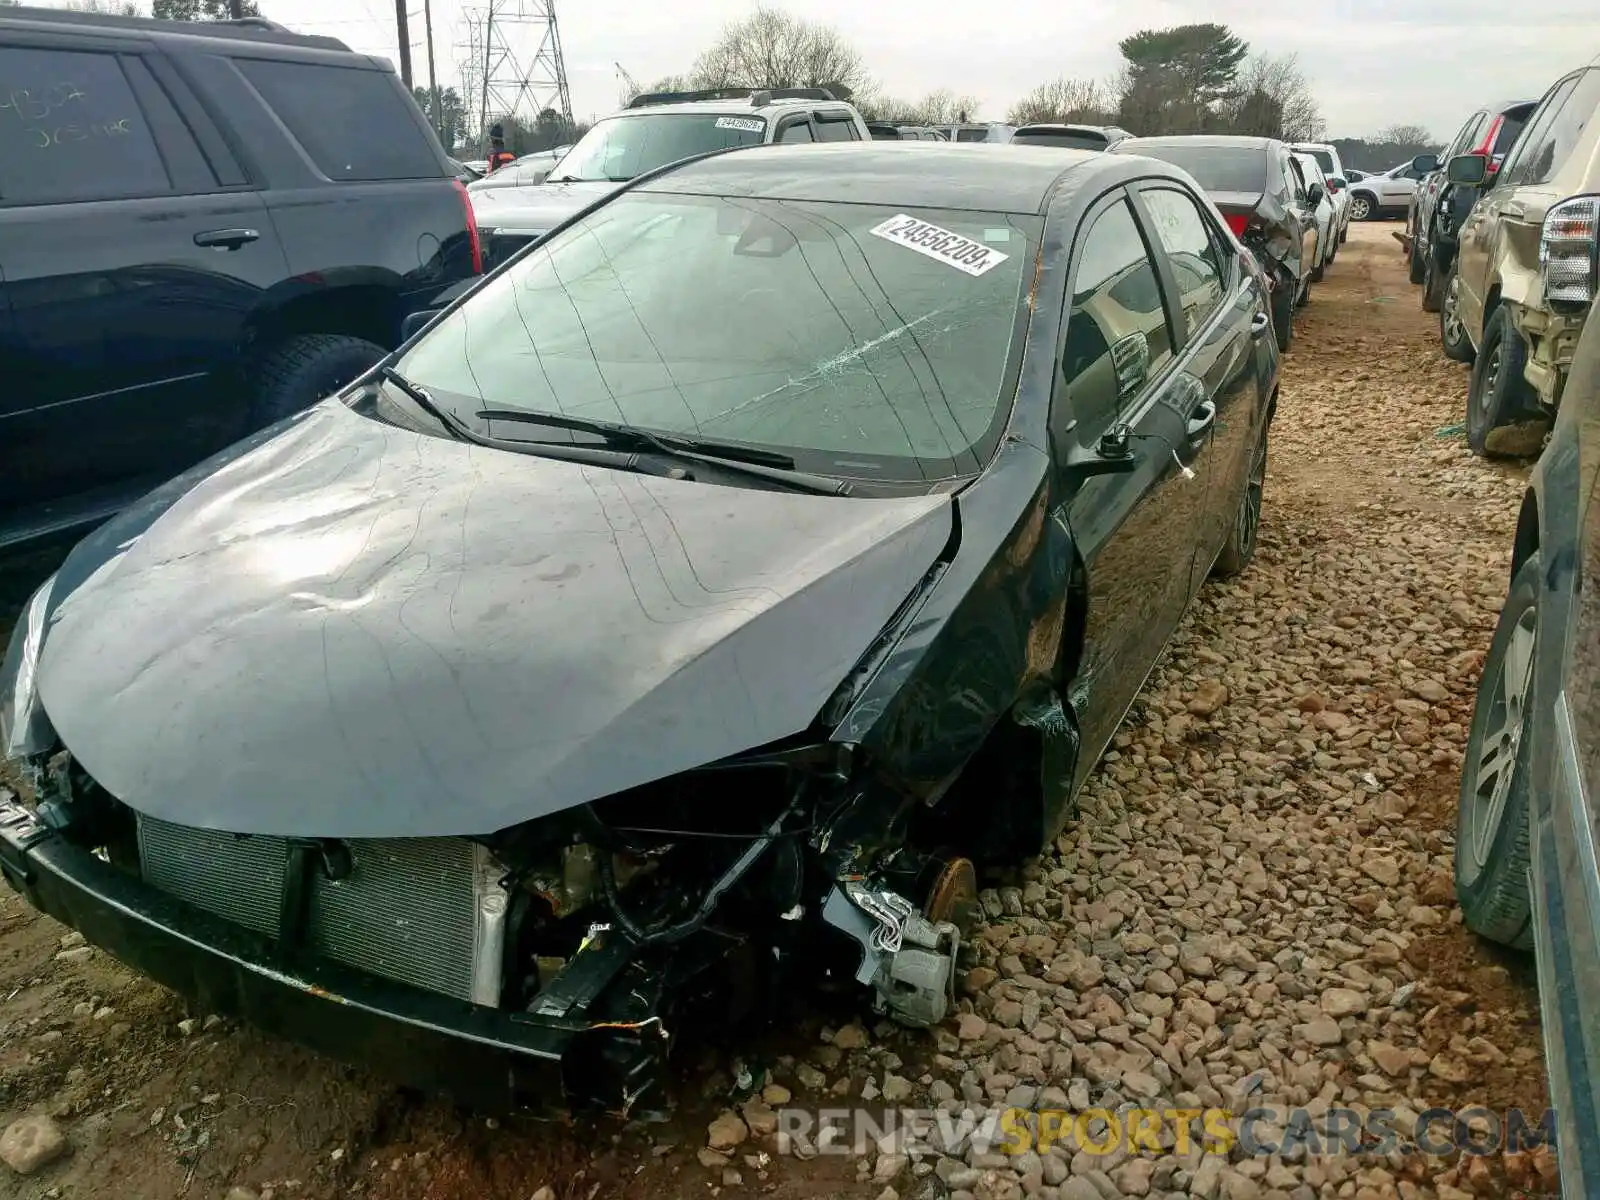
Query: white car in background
x=1388, y=194
x=1327, y=216
x=1333, y=171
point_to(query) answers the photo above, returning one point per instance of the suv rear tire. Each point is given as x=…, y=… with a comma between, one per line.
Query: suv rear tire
x=1492, y=853
x=1498, y=394
x=296, y=373
x=1434, y=279
x=1453, y=337
x=1417, y=268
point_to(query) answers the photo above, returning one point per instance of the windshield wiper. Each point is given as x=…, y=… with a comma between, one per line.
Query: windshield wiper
x=453, y=425
x=741, y=460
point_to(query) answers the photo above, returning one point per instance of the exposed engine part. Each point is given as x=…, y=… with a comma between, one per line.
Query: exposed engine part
x=578, y=884
x=676, y=931
x=915, y=980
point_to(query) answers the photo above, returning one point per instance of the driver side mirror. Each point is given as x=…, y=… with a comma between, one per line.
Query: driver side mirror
x=1112, y=455
x=1468, y=169
x=1423, y=163
x=1314, y=194
x=414, y=322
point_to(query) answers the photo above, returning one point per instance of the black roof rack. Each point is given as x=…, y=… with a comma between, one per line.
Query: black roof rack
x=758, y=97
x=255, y=29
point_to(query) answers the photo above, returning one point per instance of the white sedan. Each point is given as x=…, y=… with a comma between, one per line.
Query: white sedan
x=1327, y=214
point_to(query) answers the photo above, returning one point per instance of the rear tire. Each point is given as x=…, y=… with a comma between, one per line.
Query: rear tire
x=1362, y=207
x=1434, y=279
x=1492, y=854
x=1453, y=337
x=301, y=370
x=1240, y=547
x=1283, y=315
x=1417, y=268
x=1498, y=394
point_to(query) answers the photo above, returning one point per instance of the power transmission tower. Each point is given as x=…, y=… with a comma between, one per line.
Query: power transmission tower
x=512, y=64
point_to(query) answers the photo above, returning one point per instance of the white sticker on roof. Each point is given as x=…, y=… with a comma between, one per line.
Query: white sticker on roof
x=745, y=124
x=924, y=237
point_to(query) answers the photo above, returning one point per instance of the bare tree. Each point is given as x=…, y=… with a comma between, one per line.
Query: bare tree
x=1406, y=135
x=941, y=107
x=772, y=49
x=111, y=8
x=1274, y=100
x=1063, y=99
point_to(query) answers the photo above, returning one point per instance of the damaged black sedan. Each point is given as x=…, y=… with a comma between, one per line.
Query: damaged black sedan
x=711, y=587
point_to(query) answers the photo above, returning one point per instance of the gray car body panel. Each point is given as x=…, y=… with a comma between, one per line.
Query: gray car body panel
x=351, y=629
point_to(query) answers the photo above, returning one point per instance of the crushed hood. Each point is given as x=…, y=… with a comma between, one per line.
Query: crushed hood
x=355, y=630
x=535, y=208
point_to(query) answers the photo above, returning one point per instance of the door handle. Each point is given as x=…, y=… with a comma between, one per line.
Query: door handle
x=1259, y=324
x=229, y=239
x=1201, y=420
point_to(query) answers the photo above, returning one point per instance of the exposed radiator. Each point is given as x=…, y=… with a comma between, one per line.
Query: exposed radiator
x=428, y=912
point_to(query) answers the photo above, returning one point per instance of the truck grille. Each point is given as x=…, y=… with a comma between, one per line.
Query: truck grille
x=428, y=912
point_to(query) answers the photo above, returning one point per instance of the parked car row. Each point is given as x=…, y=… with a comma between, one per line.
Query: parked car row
x=1504, y=243
x=1275, y=201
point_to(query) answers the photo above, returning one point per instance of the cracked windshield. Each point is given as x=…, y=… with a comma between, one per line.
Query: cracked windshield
x=819, y=330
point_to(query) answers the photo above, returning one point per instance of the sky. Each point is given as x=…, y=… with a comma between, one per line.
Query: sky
x=1371, y=63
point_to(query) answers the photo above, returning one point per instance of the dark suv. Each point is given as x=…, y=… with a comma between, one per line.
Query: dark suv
x=1441, y=206
x=204, y=227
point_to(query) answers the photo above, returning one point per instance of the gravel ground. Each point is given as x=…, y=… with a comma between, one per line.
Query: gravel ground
x=1254, y=907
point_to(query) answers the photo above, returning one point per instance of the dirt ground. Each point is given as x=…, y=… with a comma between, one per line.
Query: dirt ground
x=153, y=1108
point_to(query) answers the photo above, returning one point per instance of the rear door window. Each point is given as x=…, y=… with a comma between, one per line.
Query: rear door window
x=1536, y=148
x=71, y=130
x=354, y=124
x=1567, y=129
x=835, y=129
x=797, y=131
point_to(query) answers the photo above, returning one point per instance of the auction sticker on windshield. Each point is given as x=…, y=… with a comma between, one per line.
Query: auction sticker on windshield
x=924, y=237
x=744, y=124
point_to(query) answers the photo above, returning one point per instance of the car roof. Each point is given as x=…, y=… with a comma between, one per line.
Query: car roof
x=974, y=176
x=1505, y=106
x=1313, y=146
x=257, y=30
x=1068, y=127
x=1217, y=140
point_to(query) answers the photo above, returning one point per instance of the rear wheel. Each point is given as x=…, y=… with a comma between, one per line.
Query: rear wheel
x=1241, y=544
x=1362, y=206
x=1418, y=266
x=1435, y=278
x=301, y=370
x=1498, y=394
x=1452, y=333
x=1492, y=855
x=1283, y=313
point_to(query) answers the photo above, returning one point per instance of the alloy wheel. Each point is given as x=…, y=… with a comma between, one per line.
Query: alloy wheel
x=1360, y=207
x=1249, y=518
x=1491, y=377
x=1496, y=757
x=1453, y=331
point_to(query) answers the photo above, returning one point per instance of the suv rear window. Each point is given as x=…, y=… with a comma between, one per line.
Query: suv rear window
x=70, y=129
x=1324, y=159
x=355, y=124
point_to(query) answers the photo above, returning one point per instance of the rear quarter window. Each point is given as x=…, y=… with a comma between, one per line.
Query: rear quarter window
x=71, y=129
x=355, y=124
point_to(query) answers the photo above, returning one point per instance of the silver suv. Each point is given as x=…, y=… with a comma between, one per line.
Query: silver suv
x=656, y=129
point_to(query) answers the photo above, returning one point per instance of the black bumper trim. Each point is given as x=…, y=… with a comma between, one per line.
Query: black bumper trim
x=482, y=1057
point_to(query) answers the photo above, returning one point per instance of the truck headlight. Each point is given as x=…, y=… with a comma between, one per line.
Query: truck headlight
x=24, y=728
